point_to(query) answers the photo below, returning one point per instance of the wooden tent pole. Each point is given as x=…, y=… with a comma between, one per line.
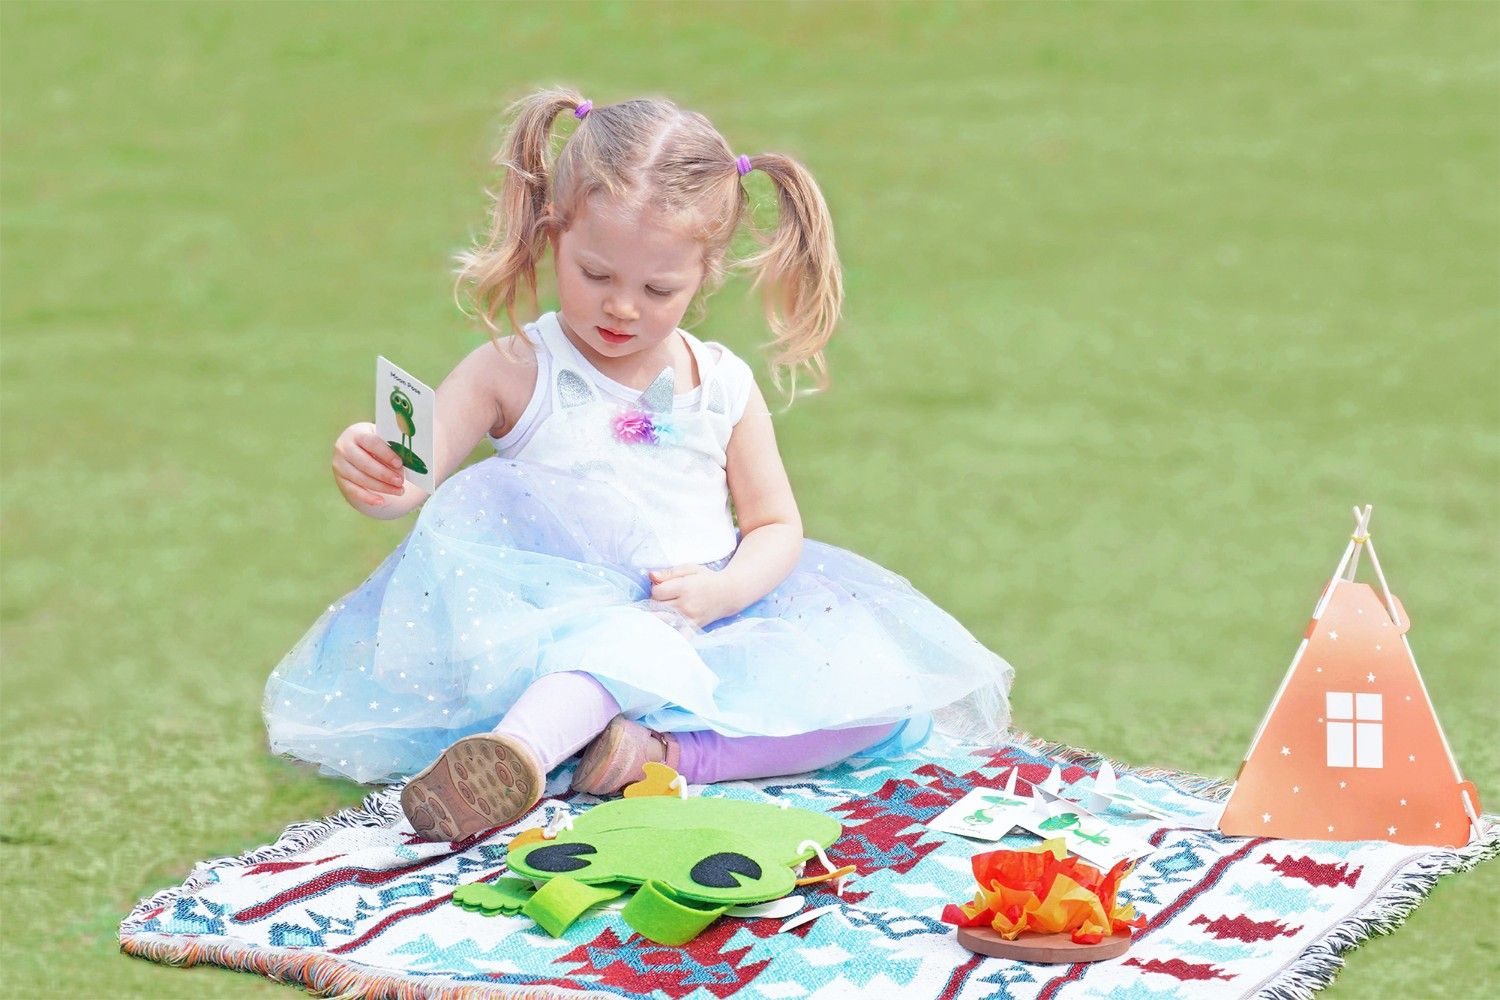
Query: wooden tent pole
x=1360, y=536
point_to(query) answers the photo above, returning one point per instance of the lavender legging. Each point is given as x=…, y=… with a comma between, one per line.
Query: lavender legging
x=560, y=713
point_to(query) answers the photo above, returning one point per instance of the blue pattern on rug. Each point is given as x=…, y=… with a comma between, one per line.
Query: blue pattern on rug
x=358, y=903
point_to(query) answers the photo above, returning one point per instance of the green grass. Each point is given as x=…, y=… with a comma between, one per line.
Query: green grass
x=1141, y=299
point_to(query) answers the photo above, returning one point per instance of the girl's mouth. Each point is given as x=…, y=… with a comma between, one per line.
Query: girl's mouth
x=611, y=337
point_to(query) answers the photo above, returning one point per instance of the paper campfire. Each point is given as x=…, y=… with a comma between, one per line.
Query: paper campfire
x=1043, y=890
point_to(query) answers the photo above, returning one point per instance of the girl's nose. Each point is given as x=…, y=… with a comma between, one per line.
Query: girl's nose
x=621, y=310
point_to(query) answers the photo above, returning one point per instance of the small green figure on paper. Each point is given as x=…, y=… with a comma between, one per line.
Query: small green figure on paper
x=401, y=406
x=1070, y=821
x=982, y=817
x=1062, y=821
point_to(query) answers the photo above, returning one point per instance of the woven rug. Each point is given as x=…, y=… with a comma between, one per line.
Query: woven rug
x=355, y=905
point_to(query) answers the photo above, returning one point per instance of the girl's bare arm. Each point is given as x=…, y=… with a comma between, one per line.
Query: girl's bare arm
x=485, y=390
x=770, y=529
x=770, y=524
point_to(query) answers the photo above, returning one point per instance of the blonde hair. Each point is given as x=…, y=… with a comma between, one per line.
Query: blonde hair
x=648, y=154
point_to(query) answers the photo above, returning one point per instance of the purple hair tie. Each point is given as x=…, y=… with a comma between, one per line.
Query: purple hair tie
x=743, y=165
x=583, y=109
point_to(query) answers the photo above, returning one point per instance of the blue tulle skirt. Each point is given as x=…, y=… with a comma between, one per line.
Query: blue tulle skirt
x=515, y=570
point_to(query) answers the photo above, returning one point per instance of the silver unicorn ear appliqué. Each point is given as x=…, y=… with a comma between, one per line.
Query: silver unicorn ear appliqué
x=658, y=395
x=573, y=389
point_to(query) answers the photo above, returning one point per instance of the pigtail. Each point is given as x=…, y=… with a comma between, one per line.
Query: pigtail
x=522, y=219
x=650, y=154
x=798, y=273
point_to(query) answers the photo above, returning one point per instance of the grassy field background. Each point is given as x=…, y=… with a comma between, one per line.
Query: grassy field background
x=1141, y=299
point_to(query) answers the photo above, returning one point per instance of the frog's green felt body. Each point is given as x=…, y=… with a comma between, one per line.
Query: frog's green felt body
x=719, y=851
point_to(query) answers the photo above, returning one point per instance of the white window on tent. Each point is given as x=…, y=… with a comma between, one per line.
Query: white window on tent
x=1355, y=730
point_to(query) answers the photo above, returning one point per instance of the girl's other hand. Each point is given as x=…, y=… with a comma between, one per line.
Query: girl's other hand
x=365, y=467
x=699, y=594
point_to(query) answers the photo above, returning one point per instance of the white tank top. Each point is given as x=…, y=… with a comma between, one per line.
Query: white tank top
x=666, y=453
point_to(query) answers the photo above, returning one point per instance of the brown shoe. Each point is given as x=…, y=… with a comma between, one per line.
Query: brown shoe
x=618, y=756
x=478, y=783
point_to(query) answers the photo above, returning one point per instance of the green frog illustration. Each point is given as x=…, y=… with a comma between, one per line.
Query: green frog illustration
x=1070, y=821
x=402, y=407
x=687, y=860
x=981, y=817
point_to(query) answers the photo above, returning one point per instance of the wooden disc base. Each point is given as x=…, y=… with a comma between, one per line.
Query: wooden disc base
x=1047, y=949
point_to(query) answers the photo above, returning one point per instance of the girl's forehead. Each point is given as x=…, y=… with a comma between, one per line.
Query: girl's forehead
x=641, y=237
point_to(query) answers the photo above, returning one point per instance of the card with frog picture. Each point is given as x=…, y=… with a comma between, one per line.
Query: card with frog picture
x=985, y=813
x=404, y=409
x=1086, y=835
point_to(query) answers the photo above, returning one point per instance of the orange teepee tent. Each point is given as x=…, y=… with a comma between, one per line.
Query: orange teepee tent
x=1351, y=748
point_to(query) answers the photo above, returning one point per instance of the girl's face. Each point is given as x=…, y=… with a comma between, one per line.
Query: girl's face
x=624, y=281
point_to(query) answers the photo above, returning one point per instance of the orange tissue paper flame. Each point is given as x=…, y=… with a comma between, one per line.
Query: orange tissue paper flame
x=1044, y=891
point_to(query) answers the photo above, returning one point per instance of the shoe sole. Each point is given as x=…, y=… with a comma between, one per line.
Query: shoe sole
x=479, y=783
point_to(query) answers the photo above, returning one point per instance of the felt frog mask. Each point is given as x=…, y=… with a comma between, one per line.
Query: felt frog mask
x=692, y=858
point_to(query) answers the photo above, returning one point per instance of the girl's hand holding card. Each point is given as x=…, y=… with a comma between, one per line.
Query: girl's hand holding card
x=365, y=468
x=373, y=461
x=404, y=419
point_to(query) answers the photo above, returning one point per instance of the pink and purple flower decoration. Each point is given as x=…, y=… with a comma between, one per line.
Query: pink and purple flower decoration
x=639, y=427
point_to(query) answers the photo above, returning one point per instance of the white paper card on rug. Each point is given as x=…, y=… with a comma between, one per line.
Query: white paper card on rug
x=984, y=813
x=1120, y=797
x=1105, y=794
x=1085, y=834
x=1128, y=804
x=1108, y=793
x=404, y=409
x=1205, y=818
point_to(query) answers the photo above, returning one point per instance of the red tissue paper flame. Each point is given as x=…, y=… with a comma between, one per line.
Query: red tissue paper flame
x=1044, y=891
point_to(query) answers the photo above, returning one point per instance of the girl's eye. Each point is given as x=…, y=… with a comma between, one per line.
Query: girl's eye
x=658, y=292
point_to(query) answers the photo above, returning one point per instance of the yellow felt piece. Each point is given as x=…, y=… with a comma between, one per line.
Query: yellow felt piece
x=525, y=837
x=658, y=781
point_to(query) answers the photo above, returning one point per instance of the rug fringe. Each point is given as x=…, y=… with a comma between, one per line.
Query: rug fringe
x=1387, y=910
x=325, y=976
x=1216, y=789
x=379, y=809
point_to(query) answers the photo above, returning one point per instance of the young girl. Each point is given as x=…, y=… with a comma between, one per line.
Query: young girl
x=588, y=588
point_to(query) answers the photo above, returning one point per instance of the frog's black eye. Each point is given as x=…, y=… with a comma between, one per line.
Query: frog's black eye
x=560, y=857
x=718, y=871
